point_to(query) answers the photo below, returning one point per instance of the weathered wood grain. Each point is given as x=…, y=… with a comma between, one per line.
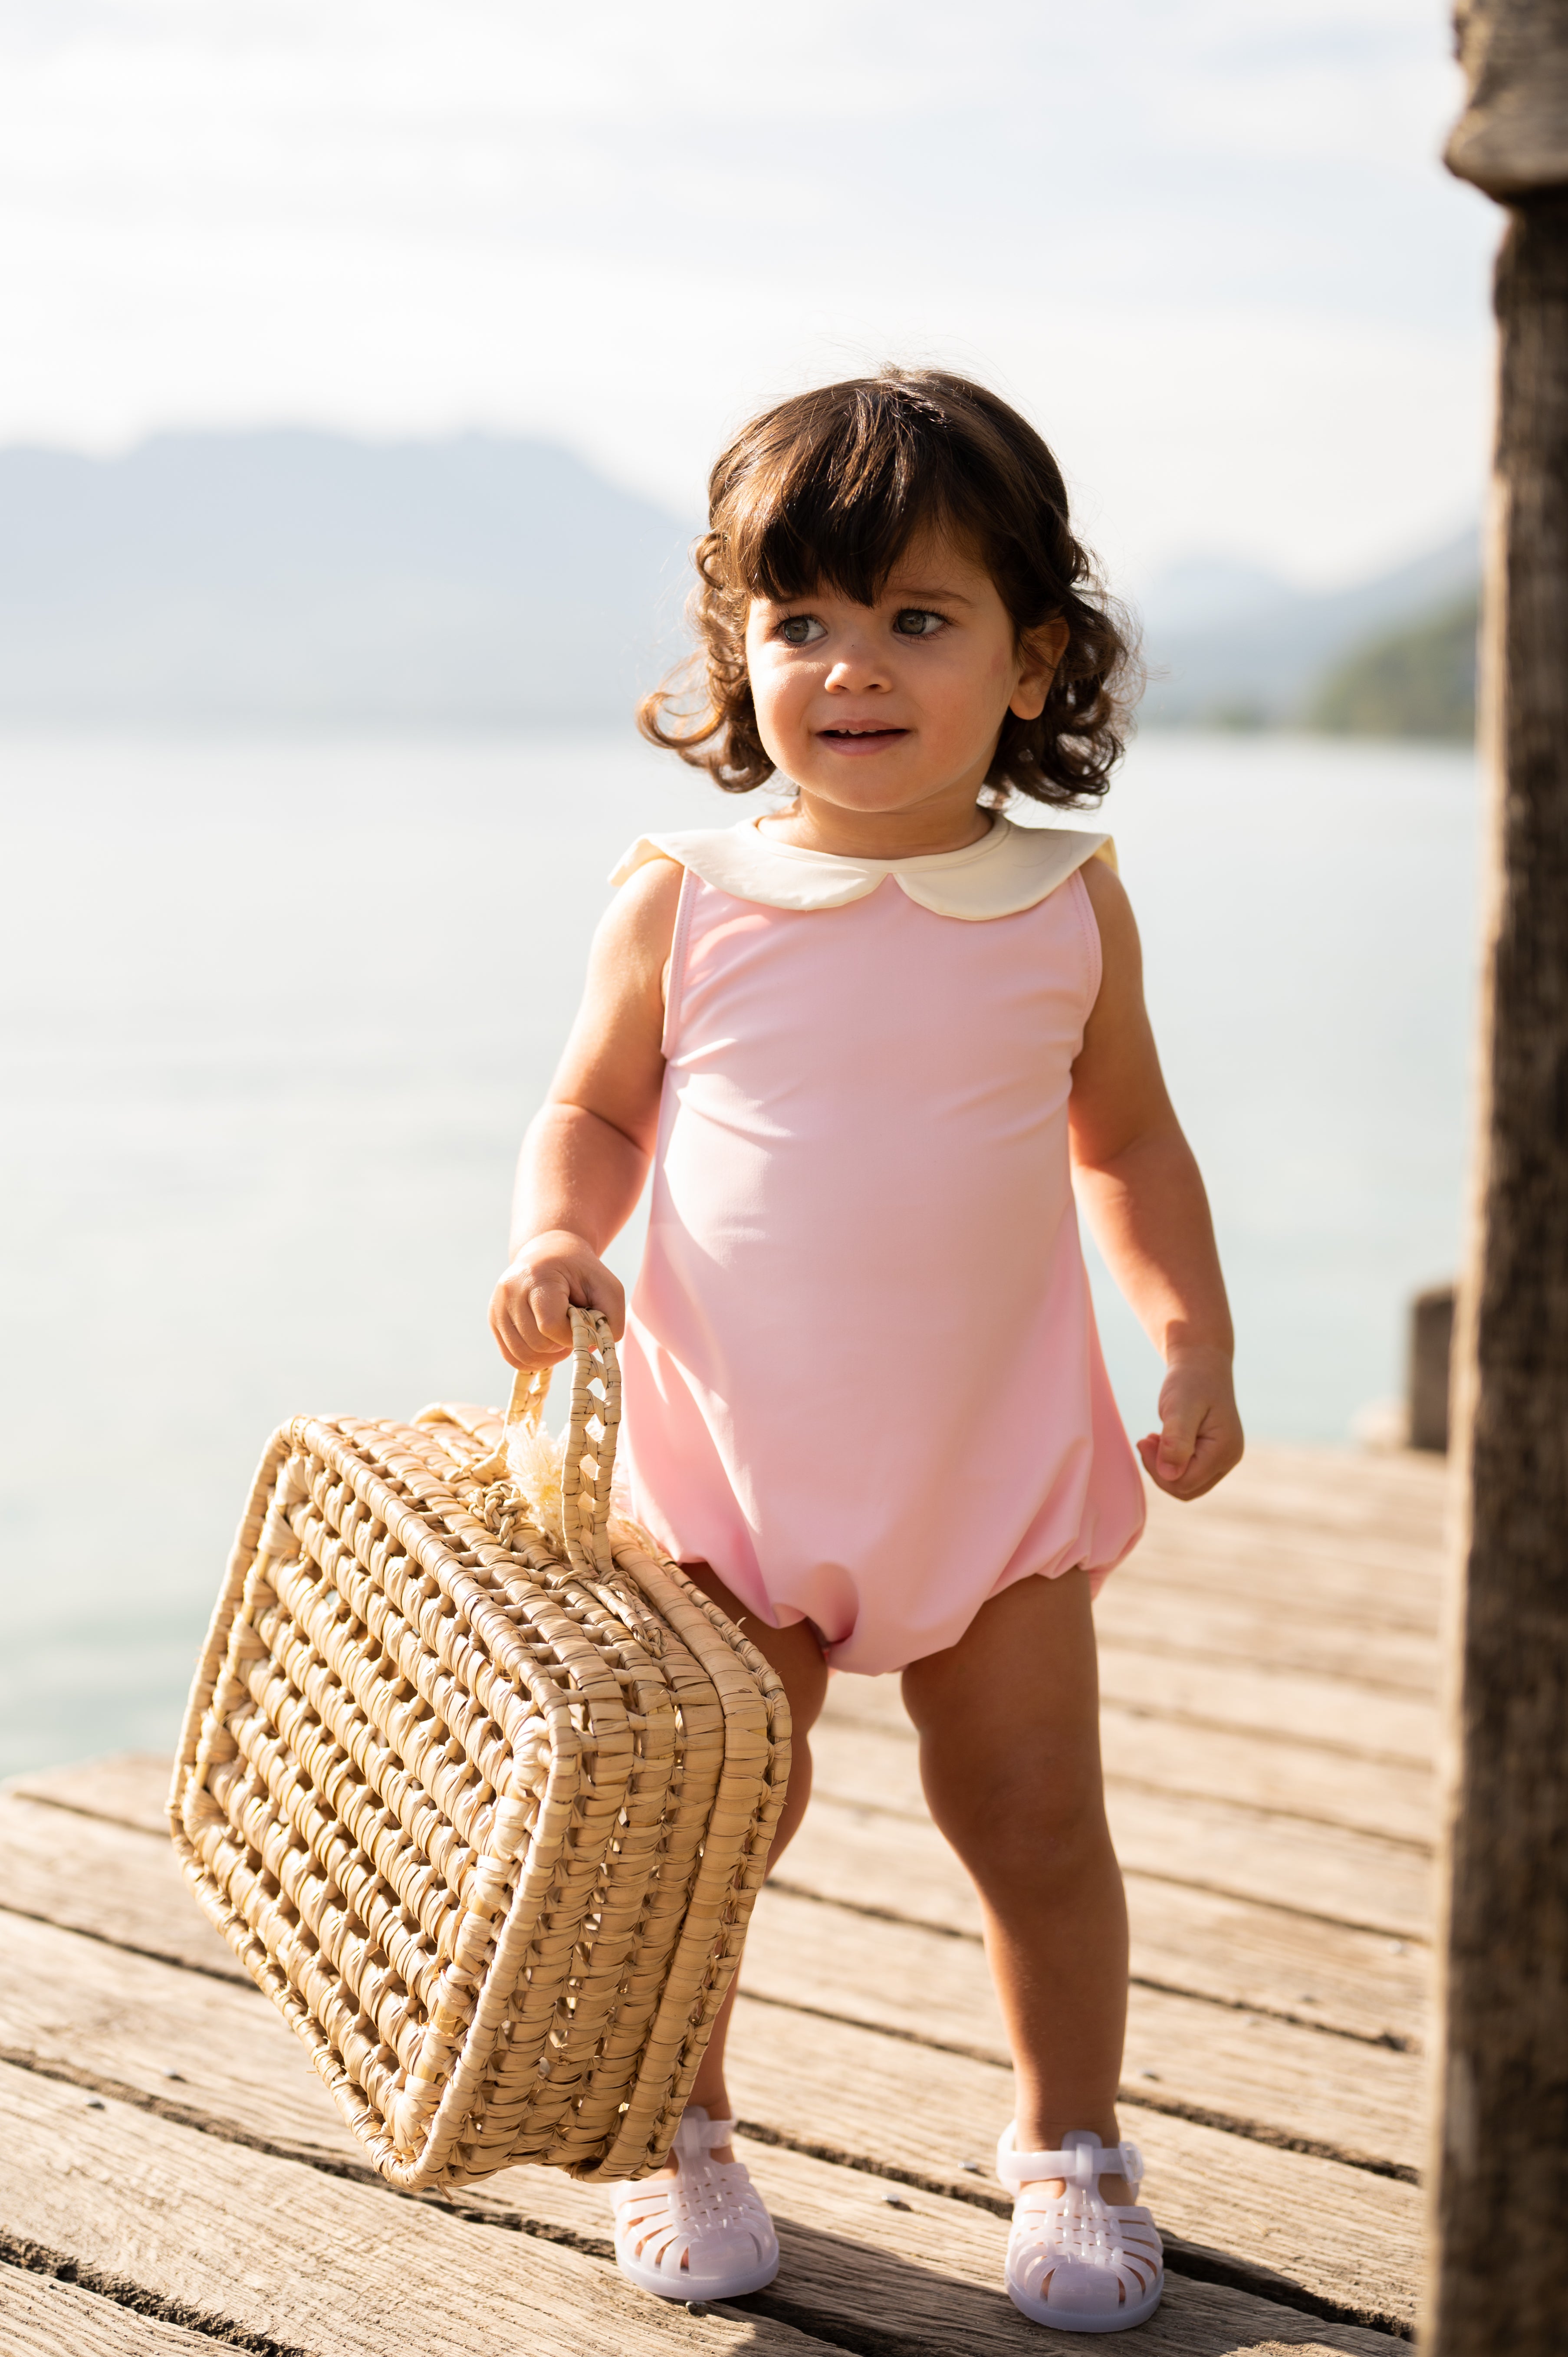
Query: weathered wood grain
x=1345, y=1497
x=129, y=1788
x=107, y=1881
x=1500, y=2156
x=1285, y=1779
x=1365, y=1984
x=1338, y=2092
x=1388, y=1573
x=871, y=1858
x=927, y=2276
x=1218, y=1764
x=42, y=2317
x=1310, y=1769
x=1269, y=1805
x=1244, y=1629
x=1371, y=1584
x=1237, y=1844
x=1276, y=1704
x=313, y=2261
x=1512, y=141
x=1227, y=1950
x=1340, y=2233
x=185, y=2040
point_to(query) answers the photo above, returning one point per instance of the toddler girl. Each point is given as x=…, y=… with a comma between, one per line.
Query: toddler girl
x=869, y=1042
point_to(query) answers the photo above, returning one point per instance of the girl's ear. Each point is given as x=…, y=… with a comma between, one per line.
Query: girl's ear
x=1039, y=652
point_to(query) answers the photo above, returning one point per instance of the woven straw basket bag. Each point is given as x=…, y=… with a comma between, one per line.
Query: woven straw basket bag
x=483, y=1811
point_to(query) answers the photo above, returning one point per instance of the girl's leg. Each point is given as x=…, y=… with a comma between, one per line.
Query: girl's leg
x=795, y=1653
x=1009, y=1726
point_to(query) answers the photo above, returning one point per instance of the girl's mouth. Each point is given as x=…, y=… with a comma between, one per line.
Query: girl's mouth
x=861, y=740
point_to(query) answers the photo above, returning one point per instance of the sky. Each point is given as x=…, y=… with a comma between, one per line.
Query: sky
x=1206, y=244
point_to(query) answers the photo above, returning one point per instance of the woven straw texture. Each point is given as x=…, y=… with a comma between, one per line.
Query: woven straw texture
x=483, y=1812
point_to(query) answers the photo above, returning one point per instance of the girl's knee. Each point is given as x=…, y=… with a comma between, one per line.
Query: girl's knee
x=1015, y=1820
x=1021, y=1867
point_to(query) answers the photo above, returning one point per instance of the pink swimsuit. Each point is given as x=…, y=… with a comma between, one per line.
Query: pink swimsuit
x=862, y=1375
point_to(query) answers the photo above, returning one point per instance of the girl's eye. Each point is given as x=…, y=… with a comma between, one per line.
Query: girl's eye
x=801, y=630
x=917, y=622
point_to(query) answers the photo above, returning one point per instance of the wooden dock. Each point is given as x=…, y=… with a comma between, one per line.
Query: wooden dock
x=172, y=2178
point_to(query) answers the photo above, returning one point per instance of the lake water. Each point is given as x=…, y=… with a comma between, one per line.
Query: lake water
x=273, y=1017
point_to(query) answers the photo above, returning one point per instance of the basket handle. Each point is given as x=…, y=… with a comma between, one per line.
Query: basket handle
x=590, y=1457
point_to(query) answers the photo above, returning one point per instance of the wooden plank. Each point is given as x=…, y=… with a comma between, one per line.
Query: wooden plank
x=1339, y=2233
x=1345, y=1878
x=313, y=2261
x=1373, y=1580
x=41, y=2316
x=128, y=1788
x=118, y=2018
x=1232, y=1950
x=1184, y=1623
x=928, y=2277
x=105, y=1879
x=185, y=2042
x=1302, y=1781
x=128, y=1888
x=851, y=2261
x=1210, y=1842
x=1277, y=1705
x=1275, y=1526
x=1336, y=1495
x=1348, y=1878
x=925, y=2275
x=1285, y=1779
x=1371, y=1984
x=1222, y=1846
x=1300, y=2085
x=859, y=1760
x=1364, y=1983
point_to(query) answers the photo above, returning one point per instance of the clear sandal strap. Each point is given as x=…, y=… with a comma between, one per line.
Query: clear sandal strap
x=694, y=2136
x=1082, y=2165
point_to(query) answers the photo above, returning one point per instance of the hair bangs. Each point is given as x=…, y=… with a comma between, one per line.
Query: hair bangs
x=838, y=505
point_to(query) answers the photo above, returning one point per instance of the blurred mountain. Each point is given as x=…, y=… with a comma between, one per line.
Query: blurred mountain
x=1415, y=681
x=303, y=579
x=298, y=579
x=1230, y=646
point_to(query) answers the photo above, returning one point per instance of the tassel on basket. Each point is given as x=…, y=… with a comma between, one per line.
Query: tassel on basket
x=482, y=1804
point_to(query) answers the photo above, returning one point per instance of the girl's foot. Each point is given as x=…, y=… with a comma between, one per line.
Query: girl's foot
x=702, y=2233
x=1074, y=2259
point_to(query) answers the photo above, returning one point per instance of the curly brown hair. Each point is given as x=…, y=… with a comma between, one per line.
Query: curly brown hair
x=830, y=488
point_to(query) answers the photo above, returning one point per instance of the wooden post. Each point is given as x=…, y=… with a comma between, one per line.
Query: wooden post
x=1430, y=1380
x=1497, y=2279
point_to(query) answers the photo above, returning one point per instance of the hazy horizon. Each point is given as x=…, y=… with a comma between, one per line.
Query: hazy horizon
x=1216, y=259
x=298, y=577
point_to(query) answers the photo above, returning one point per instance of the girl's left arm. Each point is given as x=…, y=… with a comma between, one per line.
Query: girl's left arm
x=1141, y=1189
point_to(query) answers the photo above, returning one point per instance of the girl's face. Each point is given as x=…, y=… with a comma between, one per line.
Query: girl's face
x=892, y=706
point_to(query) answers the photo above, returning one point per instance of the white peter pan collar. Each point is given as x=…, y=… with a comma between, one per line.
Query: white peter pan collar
x=1009, y=869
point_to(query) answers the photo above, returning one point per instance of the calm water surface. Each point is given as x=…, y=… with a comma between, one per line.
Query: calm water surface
x=272, y=1018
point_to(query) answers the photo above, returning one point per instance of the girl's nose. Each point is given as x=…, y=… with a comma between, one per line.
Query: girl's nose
x=855, y=669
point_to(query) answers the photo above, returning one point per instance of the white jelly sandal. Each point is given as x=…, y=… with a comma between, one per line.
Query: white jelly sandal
x=704, y=2234
x=1073, y=2260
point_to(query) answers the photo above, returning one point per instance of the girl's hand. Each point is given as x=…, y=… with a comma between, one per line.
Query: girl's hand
x=529, y=1308
x=1199, y=1438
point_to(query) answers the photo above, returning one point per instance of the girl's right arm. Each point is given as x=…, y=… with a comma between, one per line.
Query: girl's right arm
x=586, y=1153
